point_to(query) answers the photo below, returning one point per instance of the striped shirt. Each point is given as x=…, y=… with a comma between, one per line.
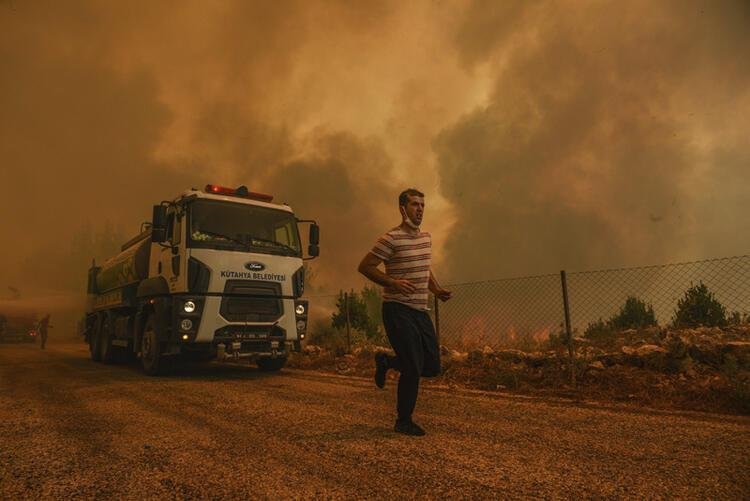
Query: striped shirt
x=406, y=256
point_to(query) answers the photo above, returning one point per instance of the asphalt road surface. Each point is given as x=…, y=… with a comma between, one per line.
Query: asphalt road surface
x=72, y=428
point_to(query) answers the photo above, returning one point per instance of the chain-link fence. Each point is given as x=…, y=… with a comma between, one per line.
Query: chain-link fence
x=348, y=330
x=596, y=295
x=524, y=313
x=514, y=313
x=546, y=311
x=321, y=309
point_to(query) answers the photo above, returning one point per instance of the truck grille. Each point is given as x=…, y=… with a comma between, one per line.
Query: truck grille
x=251, y=301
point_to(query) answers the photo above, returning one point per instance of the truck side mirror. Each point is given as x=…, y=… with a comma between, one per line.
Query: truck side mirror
x=159, y=224
x=313, y=248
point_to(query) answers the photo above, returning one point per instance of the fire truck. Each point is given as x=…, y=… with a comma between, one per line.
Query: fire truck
x=216, y=274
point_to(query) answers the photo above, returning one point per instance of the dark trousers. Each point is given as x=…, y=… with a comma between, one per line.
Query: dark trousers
x=42, y=339
x=412, y=337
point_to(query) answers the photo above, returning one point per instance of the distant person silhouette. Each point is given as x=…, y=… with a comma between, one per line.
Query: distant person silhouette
x=42, y=330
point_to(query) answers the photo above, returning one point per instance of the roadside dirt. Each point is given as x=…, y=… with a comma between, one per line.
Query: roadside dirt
x=704, y=369
x=71, y=428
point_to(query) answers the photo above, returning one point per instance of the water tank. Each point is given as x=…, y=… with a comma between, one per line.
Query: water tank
x=127, y=267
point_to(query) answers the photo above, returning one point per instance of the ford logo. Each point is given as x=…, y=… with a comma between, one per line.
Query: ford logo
x=255, y=266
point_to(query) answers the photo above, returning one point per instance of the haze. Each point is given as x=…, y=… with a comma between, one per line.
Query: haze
x=546, y=135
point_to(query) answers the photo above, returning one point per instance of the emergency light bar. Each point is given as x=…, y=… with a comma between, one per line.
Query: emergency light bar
x=237, y=192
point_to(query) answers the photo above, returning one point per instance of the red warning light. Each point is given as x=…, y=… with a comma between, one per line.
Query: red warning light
x=238, y=192
x=219, y=190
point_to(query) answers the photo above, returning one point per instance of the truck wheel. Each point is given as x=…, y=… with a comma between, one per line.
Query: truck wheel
x=95, y=339
x=271, y=364
x=106, y=334
x=151, y=358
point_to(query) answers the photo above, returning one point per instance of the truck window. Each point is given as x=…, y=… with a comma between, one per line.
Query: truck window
x=170, y=225
x=174, y=228
x=242, y=227
x=177, y=230
x=282, y=235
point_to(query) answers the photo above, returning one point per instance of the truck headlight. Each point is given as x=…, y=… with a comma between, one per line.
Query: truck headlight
x=301, y=324
x=189, y=306
x=186, y=324
x=300, y=309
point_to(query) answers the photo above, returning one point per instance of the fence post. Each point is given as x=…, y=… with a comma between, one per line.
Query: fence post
x=437, y=320
x=348, y=324
x=568, y=332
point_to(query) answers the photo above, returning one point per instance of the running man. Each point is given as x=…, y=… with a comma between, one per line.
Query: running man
x=406, y=252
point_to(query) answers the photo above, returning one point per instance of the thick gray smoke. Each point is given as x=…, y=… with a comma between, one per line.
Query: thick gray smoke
x=613, y=135
x=546, y=135
x=107, y=110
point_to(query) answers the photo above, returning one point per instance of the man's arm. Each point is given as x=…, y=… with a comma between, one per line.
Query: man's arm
x=440, y=293
x=369, y=268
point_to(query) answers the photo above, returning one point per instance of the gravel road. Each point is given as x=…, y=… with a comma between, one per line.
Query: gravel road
x=72, y=428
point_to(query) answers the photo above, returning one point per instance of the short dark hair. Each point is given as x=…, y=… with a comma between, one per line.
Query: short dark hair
x=403, y=198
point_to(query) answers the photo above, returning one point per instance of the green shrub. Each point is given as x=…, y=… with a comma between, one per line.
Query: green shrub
x=599, y=331
x=699, y=307
x=559, y=339
x=361, y=307
x=634, y=314
x=373, y=300
x=326, y=336
x=334, y=339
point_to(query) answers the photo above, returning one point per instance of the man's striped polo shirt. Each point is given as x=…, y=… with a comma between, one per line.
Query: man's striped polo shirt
x=406, y=256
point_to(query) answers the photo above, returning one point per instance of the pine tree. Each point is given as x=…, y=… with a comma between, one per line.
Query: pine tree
x=699, y=307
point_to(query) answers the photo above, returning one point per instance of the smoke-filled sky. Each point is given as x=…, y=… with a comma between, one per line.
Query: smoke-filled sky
x=546, y=135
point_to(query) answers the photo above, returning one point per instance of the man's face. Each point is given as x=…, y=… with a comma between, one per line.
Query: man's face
x=415, y=209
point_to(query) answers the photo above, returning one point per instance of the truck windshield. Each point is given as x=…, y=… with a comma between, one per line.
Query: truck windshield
x=242, y=227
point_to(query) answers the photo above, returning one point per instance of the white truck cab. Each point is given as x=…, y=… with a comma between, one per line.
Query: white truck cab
x=218, y=273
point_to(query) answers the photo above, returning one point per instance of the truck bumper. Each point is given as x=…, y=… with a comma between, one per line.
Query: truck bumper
x=211, y=331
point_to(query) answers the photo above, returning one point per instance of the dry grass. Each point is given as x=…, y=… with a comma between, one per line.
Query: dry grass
x=712, y=380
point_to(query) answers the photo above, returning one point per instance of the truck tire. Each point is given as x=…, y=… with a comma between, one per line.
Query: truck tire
x=106, y=334
x=266, y=364
x=95, y=339
x=152, y=361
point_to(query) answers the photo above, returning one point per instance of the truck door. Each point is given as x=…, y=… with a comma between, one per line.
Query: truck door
x=171, y=260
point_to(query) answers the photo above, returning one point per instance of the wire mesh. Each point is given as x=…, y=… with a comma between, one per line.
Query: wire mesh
x=516, y=313
x=596, y=295
x=361, y=324
x=321, y=308
x=523, y=313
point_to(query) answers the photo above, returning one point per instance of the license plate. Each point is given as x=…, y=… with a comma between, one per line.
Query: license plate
x=249, y=335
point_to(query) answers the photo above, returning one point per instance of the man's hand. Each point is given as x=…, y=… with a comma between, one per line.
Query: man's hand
x=440, y=293
x=404, y=286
